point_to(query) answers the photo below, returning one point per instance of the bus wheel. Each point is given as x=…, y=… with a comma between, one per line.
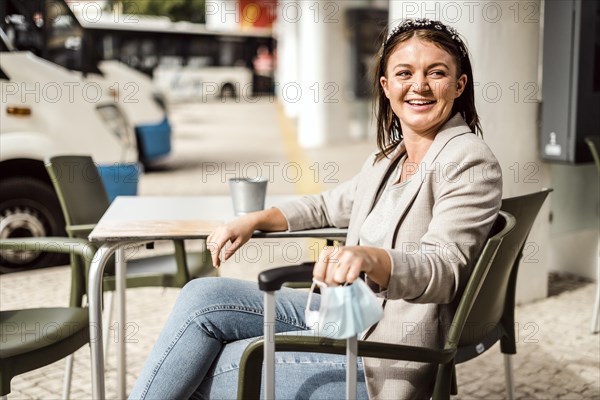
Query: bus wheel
x=29, y=208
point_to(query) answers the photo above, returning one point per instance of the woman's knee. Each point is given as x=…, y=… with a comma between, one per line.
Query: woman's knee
x=214, y=290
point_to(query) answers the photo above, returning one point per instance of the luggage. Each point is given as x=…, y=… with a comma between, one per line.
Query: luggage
x=269, y=282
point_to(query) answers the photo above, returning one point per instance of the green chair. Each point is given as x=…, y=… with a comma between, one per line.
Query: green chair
x=492, y=318
x=33, y=338
x=594, y=145
x=479, y=321
x=84, y=200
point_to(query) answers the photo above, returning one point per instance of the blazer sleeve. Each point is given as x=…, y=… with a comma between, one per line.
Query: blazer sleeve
x=329, y=208
x=467, y=200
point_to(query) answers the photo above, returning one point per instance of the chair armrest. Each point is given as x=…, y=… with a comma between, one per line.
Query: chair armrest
x=272, y=279
x=72, y=246
x=50, y=244
x=252, y=358
x=82, y=231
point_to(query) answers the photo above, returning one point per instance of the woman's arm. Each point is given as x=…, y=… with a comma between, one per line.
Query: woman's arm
x=330, y=208
x=240, y=231
x=467, y=200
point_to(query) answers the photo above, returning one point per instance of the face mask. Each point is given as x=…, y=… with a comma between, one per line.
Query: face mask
x=345, y=311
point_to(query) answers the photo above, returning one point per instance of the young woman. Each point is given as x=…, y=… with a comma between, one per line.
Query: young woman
x=417, y=214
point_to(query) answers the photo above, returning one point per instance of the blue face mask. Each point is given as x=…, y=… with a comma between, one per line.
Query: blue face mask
x=345, y=311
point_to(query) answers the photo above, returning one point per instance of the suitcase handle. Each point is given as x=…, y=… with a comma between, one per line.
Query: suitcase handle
x=272, y=279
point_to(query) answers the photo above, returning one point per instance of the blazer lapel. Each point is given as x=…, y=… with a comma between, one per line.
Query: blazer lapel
x=373, y=182
x=454, y=127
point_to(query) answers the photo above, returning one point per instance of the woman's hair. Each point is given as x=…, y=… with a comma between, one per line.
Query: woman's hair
x=389, y=131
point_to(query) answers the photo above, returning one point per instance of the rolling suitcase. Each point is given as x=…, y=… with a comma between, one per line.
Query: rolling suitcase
x=269, y=282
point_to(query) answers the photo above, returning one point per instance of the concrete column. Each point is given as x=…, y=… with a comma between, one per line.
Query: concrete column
x=287, y=32
x=323, y=56
x=503, y=38
x=312, y=125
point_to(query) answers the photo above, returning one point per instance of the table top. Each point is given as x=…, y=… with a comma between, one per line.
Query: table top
x=133, y=218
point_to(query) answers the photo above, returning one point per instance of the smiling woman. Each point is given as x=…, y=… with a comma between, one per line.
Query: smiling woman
x=425, y=65
x=415, y=230
x=422, y=86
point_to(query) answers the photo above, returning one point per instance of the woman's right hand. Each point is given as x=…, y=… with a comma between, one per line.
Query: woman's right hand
x=239, y=231
x=236, y=232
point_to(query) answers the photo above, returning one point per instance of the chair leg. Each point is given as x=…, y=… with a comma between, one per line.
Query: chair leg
x=443, y=382
x=66, y=394
x=509, y=376
x=108, y=310
x=596, y=312
x=68, y=375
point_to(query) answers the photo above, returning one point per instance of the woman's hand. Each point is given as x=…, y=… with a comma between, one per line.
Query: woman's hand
x=237, y=232
x=240, y=231
x=340, y=264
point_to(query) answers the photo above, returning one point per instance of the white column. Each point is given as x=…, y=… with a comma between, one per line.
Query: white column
x=312, y=123
x=286, y=75
x=323, y=56
x=503, y=38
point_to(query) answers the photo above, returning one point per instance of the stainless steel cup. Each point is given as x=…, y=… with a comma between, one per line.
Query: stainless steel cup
x=248, y=194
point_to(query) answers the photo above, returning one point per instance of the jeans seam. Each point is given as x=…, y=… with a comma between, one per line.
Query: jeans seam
x=252, y=310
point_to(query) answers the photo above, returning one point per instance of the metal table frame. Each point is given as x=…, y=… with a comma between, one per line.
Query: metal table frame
x=155, y=218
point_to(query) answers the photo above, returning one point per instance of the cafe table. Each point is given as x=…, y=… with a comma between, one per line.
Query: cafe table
x=138, y=219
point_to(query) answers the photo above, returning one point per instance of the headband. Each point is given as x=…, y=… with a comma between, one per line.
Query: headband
x=425, y=23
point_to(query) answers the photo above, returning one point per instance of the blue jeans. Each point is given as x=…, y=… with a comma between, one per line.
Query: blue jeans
x=198, y=352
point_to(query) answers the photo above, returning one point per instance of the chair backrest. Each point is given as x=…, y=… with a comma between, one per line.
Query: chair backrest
x=79, y=187
x=501, y=228
x=593, y=143
x=497, y=294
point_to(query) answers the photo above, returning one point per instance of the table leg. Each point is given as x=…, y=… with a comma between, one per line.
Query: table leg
x=95, y=310
x=121, y=285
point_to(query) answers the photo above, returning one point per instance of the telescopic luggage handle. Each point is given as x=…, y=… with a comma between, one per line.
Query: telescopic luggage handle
x=270, y=281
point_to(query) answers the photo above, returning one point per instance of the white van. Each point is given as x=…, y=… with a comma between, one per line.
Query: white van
x=48, y=110
x=144, y=106
x=51, y=30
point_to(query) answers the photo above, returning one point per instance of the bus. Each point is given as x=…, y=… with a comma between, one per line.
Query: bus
x=184, y=54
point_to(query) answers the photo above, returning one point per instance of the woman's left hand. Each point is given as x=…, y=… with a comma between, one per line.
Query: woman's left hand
x=341, y=264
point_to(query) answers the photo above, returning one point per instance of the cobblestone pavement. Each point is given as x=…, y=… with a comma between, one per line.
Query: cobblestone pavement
x=557, y=356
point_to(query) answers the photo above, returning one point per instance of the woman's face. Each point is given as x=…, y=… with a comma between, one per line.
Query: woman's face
x=421, y=84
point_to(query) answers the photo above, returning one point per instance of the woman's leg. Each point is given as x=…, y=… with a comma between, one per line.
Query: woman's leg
x=297, y=375
x=209, y=313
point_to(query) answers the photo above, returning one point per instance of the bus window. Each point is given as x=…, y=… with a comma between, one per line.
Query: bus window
x=66, y=47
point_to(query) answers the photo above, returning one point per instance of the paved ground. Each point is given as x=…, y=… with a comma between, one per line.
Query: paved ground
x=557, y=356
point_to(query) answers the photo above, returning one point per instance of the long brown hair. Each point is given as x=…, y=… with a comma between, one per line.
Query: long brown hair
x=389, y=131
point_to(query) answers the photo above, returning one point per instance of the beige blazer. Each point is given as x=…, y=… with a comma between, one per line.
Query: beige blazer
x=434, y=236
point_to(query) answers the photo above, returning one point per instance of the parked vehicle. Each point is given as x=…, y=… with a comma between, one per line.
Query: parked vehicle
x=143, y=104
x=48, y=110
x=221, y=63
x=203, y=83
x=51, y=30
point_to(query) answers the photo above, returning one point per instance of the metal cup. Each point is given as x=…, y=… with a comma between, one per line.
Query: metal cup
x=248, y=194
